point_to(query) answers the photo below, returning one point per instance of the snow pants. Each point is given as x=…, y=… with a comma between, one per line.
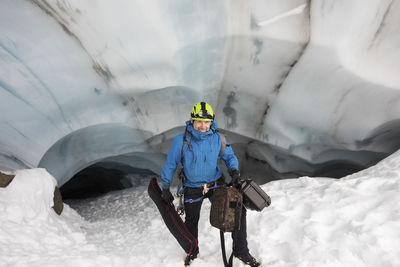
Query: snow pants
x=192, y=211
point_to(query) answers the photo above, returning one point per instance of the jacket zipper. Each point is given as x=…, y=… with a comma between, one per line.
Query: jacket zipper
x=195, y=166
x=205, y=165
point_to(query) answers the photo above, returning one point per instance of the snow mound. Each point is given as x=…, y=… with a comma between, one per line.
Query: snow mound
x=32, y=234
x=354, y=221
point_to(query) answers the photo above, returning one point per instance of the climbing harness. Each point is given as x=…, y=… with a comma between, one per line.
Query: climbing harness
x=190, y=200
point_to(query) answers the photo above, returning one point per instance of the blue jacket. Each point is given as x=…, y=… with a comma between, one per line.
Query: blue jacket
x=200, y=160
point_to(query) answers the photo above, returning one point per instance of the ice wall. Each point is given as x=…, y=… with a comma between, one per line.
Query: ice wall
x=84, y=81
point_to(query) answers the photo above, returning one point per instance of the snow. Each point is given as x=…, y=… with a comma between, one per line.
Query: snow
x=321, y=221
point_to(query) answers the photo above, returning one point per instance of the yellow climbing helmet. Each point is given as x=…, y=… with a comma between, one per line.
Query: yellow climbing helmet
x=202, y=112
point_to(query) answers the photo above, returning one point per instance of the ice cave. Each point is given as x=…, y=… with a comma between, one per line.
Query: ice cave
x=100, y=88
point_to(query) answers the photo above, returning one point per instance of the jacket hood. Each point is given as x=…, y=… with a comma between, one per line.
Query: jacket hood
x=201, y=135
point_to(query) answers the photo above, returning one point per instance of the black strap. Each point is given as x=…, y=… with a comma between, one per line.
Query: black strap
x=226, y=263
x=238, y=208
x=223, y=145
x=187, y=143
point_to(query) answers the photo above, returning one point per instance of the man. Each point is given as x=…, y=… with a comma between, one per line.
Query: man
x=199, y=148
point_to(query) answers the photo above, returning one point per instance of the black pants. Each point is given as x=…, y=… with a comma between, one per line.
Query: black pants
x=192, y=211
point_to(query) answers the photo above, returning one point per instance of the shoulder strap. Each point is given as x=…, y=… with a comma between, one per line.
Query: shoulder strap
x=186, y=145
x=238, y=210
x=223, y=144
x=180, y=190
x=226, y=263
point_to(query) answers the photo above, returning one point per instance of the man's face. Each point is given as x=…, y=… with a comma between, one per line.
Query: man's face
x=201, y=126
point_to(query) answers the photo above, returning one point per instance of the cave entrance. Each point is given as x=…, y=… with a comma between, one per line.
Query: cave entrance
x=103, y=177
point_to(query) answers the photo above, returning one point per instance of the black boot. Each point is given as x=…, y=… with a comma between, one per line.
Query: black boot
x=248, y=259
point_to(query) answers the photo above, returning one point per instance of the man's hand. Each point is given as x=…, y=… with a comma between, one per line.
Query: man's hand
x=235, y=178
x=167, y=196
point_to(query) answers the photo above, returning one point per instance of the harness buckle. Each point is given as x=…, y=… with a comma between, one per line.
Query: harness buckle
x=181, y=209
x=205, y=189
x=180, y=193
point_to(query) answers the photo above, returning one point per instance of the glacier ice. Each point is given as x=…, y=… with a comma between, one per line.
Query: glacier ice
x=299, y=87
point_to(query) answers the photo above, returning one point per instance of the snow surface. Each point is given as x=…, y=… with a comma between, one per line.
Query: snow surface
x=354, y=221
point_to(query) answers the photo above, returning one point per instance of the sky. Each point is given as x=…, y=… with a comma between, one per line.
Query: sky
x=354, y=221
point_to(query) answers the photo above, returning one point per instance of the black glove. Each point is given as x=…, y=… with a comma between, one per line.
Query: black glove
x=236, y=181
x=167, y=196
